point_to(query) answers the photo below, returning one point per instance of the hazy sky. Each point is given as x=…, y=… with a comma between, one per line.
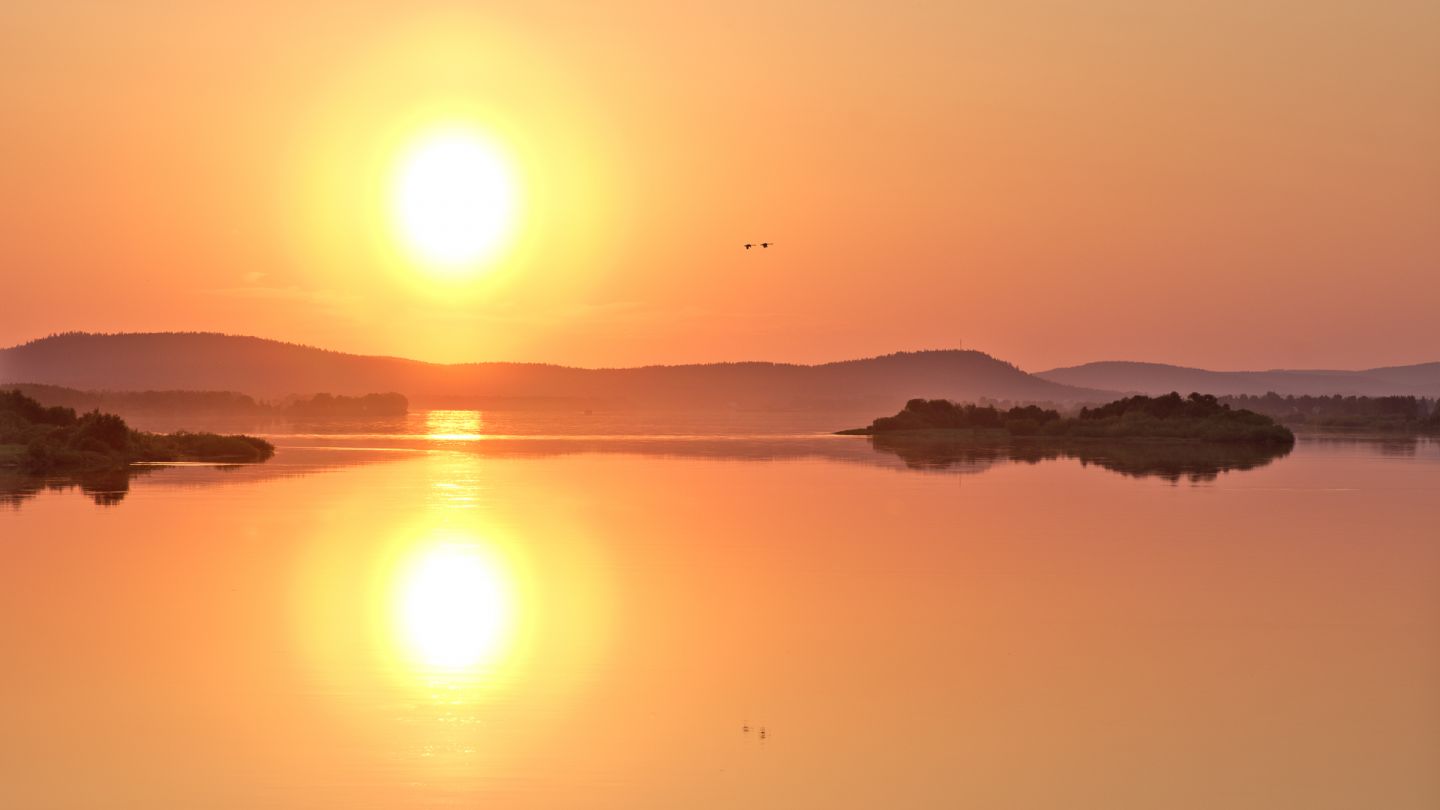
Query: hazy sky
x=1242, y=184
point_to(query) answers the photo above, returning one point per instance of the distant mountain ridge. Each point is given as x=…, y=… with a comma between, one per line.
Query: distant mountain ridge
x=1422, y=379
x=268, y=369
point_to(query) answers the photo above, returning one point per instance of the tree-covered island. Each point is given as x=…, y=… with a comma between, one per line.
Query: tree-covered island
x=54, y=440
x=1196, y=418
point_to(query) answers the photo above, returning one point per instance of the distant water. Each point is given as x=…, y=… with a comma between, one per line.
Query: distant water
x=592, y=610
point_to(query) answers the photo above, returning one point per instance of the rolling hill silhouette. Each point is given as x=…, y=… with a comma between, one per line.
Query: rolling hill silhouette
x=268, y=369
x=1158, y=378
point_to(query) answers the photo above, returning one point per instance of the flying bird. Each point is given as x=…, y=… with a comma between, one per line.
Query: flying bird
x=766, y=244
x=748, y=245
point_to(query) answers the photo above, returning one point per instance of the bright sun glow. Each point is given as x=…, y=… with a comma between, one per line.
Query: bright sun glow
x=454, y=200
x=454, y=607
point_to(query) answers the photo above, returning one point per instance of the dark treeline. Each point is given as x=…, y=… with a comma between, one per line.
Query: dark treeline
x=1199, y=417
x=1373, y=413
x=218, y=403
x=202, y=403
x=39, y=439
x=942, y=414
x=328, y=405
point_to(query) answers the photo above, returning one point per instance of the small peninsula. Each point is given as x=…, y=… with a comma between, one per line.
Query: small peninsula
x=1196, y=418
x=42, y=440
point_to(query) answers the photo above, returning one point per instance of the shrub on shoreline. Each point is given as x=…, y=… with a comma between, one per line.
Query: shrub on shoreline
x=57, y=440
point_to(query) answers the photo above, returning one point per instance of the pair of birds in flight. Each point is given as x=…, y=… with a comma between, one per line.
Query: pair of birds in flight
x=749, y=245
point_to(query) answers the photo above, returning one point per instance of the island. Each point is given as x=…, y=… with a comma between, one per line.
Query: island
x=1198, y=418
x=40, y=440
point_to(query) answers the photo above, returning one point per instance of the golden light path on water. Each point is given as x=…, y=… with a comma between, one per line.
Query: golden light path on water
x=464, y=426
x=434, y=610
x=454, y=600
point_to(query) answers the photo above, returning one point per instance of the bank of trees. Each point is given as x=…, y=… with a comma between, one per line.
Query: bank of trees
x=329, y=406
x=942, y=414
x=1404, y=413
x=1199, y=416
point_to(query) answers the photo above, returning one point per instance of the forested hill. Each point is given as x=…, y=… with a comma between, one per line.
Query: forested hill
x=268, y=368
x=1154, y=379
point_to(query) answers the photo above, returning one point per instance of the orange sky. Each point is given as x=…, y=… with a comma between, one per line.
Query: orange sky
x=1228, y=184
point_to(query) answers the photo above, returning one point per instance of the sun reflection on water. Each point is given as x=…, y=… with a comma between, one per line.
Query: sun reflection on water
x=454, y=607
x=454, y=426
x=429, y=610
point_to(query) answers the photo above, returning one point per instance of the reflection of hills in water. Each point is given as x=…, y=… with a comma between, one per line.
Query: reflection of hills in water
x=1169, y=460
x=307, y=454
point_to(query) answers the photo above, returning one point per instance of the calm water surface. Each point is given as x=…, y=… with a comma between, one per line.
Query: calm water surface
x=418, y=614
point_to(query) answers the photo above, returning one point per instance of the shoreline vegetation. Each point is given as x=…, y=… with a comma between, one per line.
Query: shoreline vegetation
x=1198, y=418
x=40, y=440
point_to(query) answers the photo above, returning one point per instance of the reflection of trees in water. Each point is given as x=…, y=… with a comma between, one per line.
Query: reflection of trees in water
x=1404, y=445
x=1169, y=460
x=1202, y=462
x=104, y=487
x=110, y=487
x=1172, y=461
x=941, y=455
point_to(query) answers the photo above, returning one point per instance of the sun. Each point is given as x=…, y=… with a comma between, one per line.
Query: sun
x=454, y=200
